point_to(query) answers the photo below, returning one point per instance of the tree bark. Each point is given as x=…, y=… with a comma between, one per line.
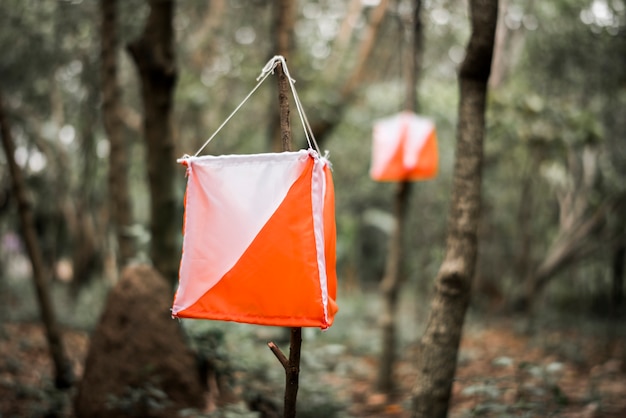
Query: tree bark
x=292, y=373
x=436, y=364
x=153, y=54
x=292, y=367
x=414, y=58
x=389, y=289
x=524, y=222
x=291, y=364
x=392, y=281
x=88, y=237
x=284, y=20
x=119, y=196
x=63, y=375
x=617, y=291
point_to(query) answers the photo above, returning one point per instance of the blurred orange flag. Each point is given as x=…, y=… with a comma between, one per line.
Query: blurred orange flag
x=259, y=240
x=404, y=148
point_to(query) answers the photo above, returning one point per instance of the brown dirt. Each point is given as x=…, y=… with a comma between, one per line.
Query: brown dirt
x=501, y=374
x=138, y=362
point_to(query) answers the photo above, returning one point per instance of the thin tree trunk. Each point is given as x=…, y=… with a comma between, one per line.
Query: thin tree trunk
x=365, y=49
x=436, y=364
x=292, y=373
x=153, y=54
x=414, y=61
x=280, y=131
x=524, y=222
x=321, y=129
x=119, y=196
x=389, y=288
x=292, y=368
x=282, y=28
x=391, y=283
x=342, y=40
x=88, y=240
x=571, y=245
x=291, y=364
x=617, y=291
x=63, y=375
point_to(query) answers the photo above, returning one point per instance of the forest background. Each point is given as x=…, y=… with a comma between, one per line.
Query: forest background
x=552, y=238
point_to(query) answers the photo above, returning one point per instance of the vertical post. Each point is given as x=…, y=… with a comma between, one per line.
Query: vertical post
x=283, y=105
x=292, y=373
x=291, y=364
x=392, y=280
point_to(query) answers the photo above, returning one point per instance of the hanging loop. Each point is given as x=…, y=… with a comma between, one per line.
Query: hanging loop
x=268, y=69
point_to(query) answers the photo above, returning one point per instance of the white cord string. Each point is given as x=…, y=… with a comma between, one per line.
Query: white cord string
x=232, y=114
x=308, y=132
x=265, y=72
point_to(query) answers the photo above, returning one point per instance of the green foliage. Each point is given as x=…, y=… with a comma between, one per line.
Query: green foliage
x=552, y=130
x=139, y=401
x=563, y=93
x=238, y=354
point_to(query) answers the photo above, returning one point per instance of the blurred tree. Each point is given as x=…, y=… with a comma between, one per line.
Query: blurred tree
x=334, y=113
x=153, y=54
x=284, y=16
x=392, y=280
x=49, y=72
x=586, y=50
x=581, y=217
x=556, y=117
x=63, y=374
x=119, y=198
x=436, y=362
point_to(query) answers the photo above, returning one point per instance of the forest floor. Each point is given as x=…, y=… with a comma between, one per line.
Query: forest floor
x=501, y=373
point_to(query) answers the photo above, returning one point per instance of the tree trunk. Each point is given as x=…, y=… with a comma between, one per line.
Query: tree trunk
x=389, y=289
x=524, y=222
x=153, y=54
x=88, y=237
x=391, y=283
x=617, y=291
x=284, y=20
x=291, y=364
x=414, y=57
x=572, y=245
x=280, y=131
x=436, y=364
x=63, y=375
x=119, y=196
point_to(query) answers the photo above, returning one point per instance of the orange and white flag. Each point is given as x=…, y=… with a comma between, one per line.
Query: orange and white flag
x=259, y=240
x=404, y=147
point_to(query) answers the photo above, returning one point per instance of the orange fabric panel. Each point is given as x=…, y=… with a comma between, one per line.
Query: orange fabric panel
x=395, y=168
x=428, y=160
x=404, y=148
x=276, y=279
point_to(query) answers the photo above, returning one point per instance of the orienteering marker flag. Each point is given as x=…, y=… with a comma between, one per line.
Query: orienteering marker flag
x=259, y=240
x=404, y=148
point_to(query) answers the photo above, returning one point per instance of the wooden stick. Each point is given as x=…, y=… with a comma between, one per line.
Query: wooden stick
x=291, y=364
x=283, y=104
x=279, y=354
x=292, y=373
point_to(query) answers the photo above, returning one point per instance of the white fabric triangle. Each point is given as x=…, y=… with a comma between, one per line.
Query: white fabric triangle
x=418, y=131
x=386, y=142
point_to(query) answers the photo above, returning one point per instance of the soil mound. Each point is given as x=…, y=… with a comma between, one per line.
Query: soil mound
x=138, y=364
